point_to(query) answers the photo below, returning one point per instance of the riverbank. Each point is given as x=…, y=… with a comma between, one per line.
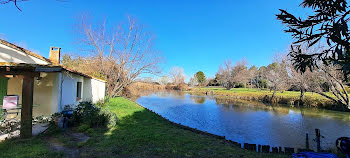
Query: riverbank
x=289, y=98
x=139, y=133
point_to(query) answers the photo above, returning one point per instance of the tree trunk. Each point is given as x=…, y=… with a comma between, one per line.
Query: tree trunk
x=301, y=98
x=273, y=95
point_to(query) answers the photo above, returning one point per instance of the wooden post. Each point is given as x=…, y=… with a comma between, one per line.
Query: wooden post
x=307, y=146
x=27, y=106
x=318, y=139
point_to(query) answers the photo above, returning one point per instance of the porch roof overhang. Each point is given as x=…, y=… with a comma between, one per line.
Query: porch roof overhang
x=19, y=67
x=26, y=69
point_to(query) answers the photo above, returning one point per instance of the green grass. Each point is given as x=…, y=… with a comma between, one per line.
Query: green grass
x=141, y=133
x=26, y=148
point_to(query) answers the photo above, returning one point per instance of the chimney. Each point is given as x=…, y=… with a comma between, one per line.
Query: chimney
x=55, y=55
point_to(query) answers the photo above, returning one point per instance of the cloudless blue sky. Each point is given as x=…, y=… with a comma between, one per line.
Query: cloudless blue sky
x=194, y=34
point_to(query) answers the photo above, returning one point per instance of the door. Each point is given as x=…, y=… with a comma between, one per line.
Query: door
x=3, y=88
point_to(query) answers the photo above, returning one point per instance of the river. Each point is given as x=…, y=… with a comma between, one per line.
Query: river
x=250, y=122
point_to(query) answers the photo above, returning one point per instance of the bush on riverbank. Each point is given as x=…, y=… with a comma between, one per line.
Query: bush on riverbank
x=94, y=116
x=180, y=87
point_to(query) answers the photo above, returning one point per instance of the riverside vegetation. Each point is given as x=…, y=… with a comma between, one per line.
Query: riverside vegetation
x=289, y=98
x=138, y=133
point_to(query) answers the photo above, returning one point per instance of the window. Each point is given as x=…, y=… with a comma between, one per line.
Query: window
x=78, y=90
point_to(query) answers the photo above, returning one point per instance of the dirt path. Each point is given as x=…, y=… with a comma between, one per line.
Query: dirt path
x=71, y=150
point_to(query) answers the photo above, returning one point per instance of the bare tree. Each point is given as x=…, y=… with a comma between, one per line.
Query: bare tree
x=163, y=80
x=230, y=75
x=119, y=53
x=302, y=81
x=333, y=77
x=15, y=2
x=224, y=74
x=193, y=81
x=253, y=76
x=240, y=72
x=277, y=77
x=177, y=75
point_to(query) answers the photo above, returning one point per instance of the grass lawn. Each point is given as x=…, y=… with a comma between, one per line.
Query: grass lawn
x=139, y=133
x=27, y=148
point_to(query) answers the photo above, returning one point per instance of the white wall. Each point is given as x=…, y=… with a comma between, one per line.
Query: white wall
x=94, y=90
x=69, y=89
x=11, y=55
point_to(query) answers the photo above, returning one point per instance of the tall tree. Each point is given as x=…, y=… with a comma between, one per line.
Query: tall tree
x=118, y=54
x=334, y=78
x=253, y=76
x=229, y=76
x=177, y=75
x=224, y=74
x=277, y=77
x=329, y=23
x=201, y=79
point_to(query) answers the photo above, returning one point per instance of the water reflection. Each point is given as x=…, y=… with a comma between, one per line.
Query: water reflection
x=250, y=122
x=198, y=99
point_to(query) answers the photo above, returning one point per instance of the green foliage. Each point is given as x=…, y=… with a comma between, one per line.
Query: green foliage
x=2, y=115
x=83, y=127
x=93, y=116
x=89, y=131
x=200, y=77
x=263, y=83
x=347, y=89
x=102, y=102
x=239, y=85
x=330, y=17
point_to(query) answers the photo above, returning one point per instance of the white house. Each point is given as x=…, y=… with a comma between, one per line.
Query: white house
x=54, y=85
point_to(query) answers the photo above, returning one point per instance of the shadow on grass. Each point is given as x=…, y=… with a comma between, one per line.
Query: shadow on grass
x=24, y=148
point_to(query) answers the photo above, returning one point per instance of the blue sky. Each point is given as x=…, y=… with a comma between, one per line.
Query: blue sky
x=196, y=35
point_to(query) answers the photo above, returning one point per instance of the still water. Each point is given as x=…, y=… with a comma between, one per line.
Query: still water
x=250, y=122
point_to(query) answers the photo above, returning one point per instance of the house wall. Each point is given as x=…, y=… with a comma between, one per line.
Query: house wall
x=42, y=97
x=94, y=90
x=11, y=55
x=43, y=93
x=57, y=89
x=69, y=89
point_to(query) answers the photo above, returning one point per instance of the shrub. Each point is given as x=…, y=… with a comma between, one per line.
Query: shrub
x=93, y=116
x=83, y=127
x=89, y=131
x=102, y=102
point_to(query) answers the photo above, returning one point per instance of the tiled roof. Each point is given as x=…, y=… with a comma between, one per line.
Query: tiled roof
x=51, y=64
x=13, y=46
